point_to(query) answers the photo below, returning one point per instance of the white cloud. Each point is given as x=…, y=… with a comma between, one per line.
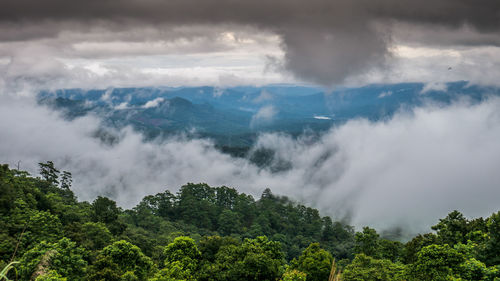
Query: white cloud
x=385, y=94
x=123, y=105
x=409, y=171
x=263, y=97
x=434, y=86
x=322, y=117
x=153, y=103
x=264, y=116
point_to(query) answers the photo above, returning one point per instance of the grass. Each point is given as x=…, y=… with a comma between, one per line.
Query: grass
x=6, y=269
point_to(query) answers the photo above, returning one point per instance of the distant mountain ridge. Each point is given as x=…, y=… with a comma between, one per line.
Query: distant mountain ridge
x=234, y=116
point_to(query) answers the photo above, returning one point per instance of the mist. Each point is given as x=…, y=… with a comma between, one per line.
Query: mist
x=408, y=171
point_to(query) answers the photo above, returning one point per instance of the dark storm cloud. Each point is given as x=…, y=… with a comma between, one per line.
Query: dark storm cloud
x=324, y=41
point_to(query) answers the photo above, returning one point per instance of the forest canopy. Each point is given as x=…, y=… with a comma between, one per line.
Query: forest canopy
x=216, y=233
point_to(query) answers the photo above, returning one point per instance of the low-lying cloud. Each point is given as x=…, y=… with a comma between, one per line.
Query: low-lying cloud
x=153, y=103
x=264, y=116
x=407, y=171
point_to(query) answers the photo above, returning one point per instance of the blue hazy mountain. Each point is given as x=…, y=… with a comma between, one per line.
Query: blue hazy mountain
x=234, y=116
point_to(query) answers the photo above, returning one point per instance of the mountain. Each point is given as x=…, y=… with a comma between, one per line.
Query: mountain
x=235, y=116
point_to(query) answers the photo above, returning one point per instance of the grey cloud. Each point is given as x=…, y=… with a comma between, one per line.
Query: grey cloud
x=327, y=57
x=325, y=41
x=436, y=35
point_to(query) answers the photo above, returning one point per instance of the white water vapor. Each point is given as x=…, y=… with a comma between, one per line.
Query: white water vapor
x=407, y=171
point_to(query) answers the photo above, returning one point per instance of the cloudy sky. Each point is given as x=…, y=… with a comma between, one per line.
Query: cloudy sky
x=227, y=42
x=410, y=170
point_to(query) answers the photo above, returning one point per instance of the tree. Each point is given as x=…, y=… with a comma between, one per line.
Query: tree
x=210, y=245
x=366, y=268
x=42, y=226
x=121, y=259
x=391, y=250
x=315, y=262
x=490, y=253
x=182, y=259
x=414, y=246
x=452, y=229
x=229, y=222
x=91, y=235
x=367, y=242
x=196, y=205
x=49, y=172
x=294, y=275
x=436, y=263
x=64, y=258
x=255, y=259
x=104, y=210
x=7, y=190
x=226, y=197
x=162, y=204
x=66, y=180
x=182, y=249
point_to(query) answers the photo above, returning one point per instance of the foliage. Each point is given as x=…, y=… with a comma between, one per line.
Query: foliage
x=366, y=268
x=294, y=275
x=436, y=262
x=119, y=259
x=314, y=262
x=491, y=250
x=49, y=172
x=452, y=229
x=367, y=242
x=215, y=233
x=254, y=259
x=63, y=258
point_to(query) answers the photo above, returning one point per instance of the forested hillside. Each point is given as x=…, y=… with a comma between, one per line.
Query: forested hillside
x=216, y=233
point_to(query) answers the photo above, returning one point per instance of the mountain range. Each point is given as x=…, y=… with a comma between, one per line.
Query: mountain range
x=233, y=117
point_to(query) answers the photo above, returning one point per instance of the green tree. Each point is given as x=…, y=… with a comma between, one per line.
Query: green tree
x=42, y=226
x=315, y=262
x=196, y=205
x=435, y=263
x=91, y=235
x=255, y=259
x=162, y=204
x=414, y=246
x=121, y=259
x=391, y=250
x=182, y=260
x=7, y=190
x=366, y=268
x=293, y=275
x=367, y=242
x=66, y=180
x=64, y=258
x=491, y=252
x=210, y=245
x=183, y=250
x=104, y=210
x=452, y=229
x=49, y=172
x=229, y=222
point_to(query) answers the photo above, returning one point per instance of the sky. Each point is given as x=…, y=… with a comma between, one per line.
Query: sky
x=408, y=171
x=228, y=42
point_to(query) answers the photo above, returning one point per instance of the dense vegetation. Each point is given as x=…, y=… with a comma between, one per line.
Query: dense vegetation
x=207, y=233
